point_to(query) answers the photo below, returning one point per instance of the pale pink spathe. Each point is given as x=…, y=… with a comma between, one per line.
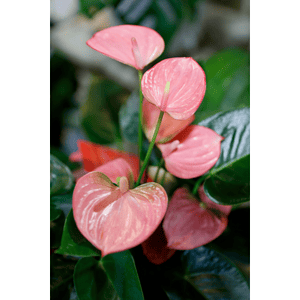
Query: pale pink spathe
x=113, y=220
x=187, y=225
x=133, y=45
x=169, y=127
x=192, y=152
x=187, y=86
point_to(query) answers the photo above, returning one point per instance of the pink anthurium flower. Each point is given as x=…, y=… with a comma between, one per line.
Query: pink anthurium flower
x=169, y=127
x=192, y=152
x=95, y=155
x=176, y=86
x=116, y=218
x=133, y=45
x=189, y=224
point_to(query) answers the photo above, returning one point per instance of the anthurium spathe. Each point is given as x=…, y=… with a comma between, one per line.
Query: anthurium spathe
x=169, y=126
x=115, y=218
x=176, y=86
x=192, y=152
x=189, y=223
x=133, y=45
x=94, y=155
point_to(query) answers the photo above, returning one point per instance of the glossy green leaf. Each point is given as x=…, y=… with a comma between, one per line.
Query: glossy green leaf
x=120, y=269
x=227, y=83
x=91, y=282
x=129, y=118
x=229, y=180
x=54, y=213
x=73, y=242
x=62, y=202
x=214, y=275
x=61, y=178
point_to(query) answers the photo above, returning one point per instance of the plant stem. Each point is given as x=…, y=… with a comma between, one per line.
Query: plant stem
x=150, y=148
x=198, y=183
x=140, y=135
x=158, y=168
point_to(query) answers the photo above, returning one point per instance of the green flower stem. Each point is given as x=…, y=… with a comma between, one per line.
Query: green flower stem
x=198, y=183
x=163, y=178
x=158, y=168
x=150, y=148
x=140, y=135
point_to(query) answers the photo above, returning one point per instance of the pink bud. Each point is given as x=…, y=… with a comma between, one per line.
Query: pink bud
x=115, y=218
x=192, y=152
x=133, y=45
x=169, y=127
x=188, y=225
x=176, y=86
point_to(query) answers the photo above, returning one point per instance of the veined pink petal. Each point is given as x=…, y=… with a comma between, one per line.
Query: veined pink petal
x=187, y=225
x=133, y=45
x=192, y=152
x=187, y=86
x=114, y=219
x=95, y=155
x=117, y=168
x=169, y=126
x=155, y=247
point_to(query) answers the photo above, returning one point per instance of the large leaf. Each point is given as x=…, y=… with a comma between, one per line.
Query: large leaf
x=229, y=180
x=73, y=242
x=227, y=83
x=91, y=7
x=62, y=202
x=61, y=178
x=121, y=271
x=129, y=118
x=91, y=282
x=214, y=275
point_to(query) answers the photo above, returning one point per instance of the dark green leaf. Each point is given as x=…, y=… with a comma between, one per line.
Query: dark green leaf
x=61, y=178
x=56, y=230
x=90, y=7
x=229, y=180
x=73, y=242
x=129, y=118
x=121, y=270
x=64, y=158
x=54, y=213
x=62, y=202
x=227, y=83
x=91, y=282
x=214, y=275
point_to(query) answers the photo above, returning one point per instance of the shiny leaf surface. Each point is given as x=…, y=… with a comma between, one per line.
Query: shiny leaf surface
x=61, y=178
x=214, y=275
x=121, y=270
x=73, y=242
x=91, y=282
x=229, y=180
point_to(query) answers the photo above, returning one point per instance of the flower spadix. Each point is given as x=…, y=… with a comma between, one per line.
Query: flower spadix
x=169, y=127
x=133, y=45
x=176, y=86
x=115, y=218
x=189, y=223
x=192, y=152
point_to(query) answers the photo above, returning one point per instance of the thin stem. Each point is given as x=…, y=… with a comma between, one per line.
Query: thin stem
x=198, y=183
x=150, y=148
x=140, y=136
x=163, y=178
x=158, y=168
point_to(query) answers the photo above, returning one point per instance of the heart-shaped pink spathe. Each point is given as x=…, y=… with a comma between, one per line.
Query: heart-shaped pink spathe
x=117, y=168
x=133, y=45
x=181, y=97
x=115, y=218
x=189, y=224
x=192, y=152
x=169, y=127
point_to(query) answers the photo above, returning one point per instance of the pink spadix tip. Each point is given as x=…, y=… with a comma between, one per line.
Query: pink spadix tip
x=124, y=185
x=137, y=54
